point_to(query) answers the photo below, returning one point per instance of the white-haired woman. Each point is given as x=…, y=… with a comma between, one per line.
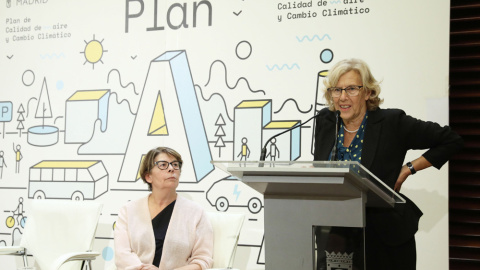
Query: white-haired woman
x=379, y=139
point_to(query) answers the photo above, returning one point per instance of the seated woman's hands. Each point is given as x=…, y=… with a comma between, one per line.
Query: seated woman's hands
x=142, y=267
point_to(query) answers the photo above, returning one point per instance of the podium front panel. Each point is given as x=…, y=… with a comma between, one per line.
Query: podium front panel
x=289, y=242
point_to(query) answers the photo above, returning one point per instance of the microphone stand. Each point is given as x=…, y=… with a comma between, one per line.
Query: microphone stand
x=334, y=149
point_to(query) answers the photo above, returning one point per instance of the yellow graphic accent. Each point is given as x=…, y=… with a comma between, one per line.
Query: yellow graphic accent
x=10, y=222
x=253, y=104
x=138, y=171
x=158, y=124
x=93, y=51
x=65, y=164
x=88, y=95
x=281, y=124
x=323, y=73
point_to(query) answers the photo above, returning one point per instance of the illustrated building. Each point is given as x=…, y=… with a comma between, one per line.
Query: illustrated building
x=288, y=144
x=82, y=109
x=254, y=126
x=250, y=118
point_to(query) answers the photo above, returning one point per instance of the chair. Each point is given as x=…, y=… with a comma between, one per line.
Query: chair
x=59, y=234
x=226, y=231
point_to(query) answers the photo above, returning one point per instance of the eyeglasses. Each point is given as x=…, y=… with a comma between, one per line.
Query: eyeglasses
x=351, y=90
x=163, y=165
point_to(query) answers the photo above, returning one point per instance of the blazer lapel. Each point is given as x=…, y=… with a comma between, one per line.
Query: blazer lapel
x=372, y=137
x=328, y=138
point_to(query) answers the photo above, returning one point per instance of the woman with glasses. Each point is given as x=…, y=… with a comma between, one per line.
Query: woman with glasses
x=379, y=139
x=162, y=230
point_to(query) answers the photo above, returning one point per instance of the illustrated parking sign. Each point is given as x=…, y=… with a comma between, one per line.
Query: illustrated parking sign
x=5, y=111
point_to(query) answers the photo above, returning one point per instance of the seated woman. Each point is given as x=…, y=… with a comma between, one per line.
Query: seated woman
x=162, y=230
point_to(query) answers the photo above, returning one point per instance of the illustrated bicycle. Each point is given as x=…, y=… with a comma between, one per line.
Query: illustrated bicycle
x=21, y=219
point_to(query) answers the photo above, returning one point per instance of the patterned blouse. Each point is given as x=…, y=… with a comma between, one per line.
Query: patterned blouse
x=354, y=151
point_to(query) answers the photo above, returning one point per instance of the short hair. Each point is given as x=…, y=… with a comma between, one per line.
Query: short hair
x=149, y=159
x=368, y=81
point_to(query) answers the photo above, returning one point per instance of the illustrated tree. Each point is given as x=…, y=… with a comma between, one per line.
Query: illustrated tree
x=44, y=109
x=220, y=133
x=20, y=119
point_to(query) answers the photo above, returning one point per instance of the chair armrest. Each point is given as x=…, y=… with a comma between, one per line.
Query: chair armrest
x=75, y=256
x=12, y=250
x=112, y=267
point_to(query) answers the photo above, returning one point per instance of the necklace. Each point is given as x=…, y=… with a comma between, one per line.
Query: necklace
x=349, y=131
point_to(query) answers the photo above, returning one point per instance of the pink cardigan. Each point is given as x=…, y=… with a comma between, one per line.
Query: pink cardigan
x=189, y=238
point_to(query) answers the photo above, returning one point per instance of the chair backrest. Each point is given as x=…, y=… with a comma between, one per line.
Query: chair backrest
x=57, y=227
x=226, y=231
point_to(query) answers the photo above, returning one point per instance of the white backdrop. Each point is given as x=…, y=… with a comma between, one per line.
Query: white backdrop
x=89, y=71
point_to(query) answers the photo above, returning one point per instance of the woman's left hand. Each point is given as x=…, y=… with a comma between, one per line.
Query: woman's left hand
x=404, y=173
x=418, y=164
x=147, y=267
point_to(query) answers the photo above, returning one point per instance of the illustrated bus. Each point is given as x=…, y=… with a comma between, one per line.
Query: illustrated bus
x=76, y=180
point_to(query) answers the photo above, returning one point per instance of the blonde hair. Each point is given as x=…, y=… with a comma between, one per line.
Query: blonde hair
x=369, y=82
x=148, y=161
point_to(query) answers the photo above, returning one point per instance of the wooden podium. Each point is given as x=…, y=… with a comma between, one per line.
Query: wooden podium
x=301, y=196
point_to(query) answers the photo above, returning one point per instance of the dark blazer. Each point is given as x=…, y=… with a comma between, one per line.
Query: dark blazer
x=389, y=134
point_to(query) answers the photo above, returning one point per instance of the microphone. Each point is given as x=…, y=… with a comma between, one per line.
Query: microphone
x=263, y=153
x=334, y=149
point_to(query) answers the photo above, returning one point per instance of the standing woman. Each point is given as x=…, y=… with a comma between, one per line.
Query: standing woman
x=379, y=139
x=162, y=230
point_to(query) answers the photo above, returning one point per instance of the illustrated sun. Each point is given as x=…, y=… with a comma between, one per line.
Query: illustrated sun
x=93, y=52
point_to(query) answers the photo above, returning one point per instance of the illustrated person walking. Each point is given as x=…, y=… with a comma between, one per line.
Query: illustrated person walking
x=274, y=152
x=18, y=157
x=2, y=163
x=245, y=151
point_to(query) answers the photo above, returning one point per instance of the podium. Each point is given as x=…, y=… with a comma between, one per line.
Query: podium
x=302, y=199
